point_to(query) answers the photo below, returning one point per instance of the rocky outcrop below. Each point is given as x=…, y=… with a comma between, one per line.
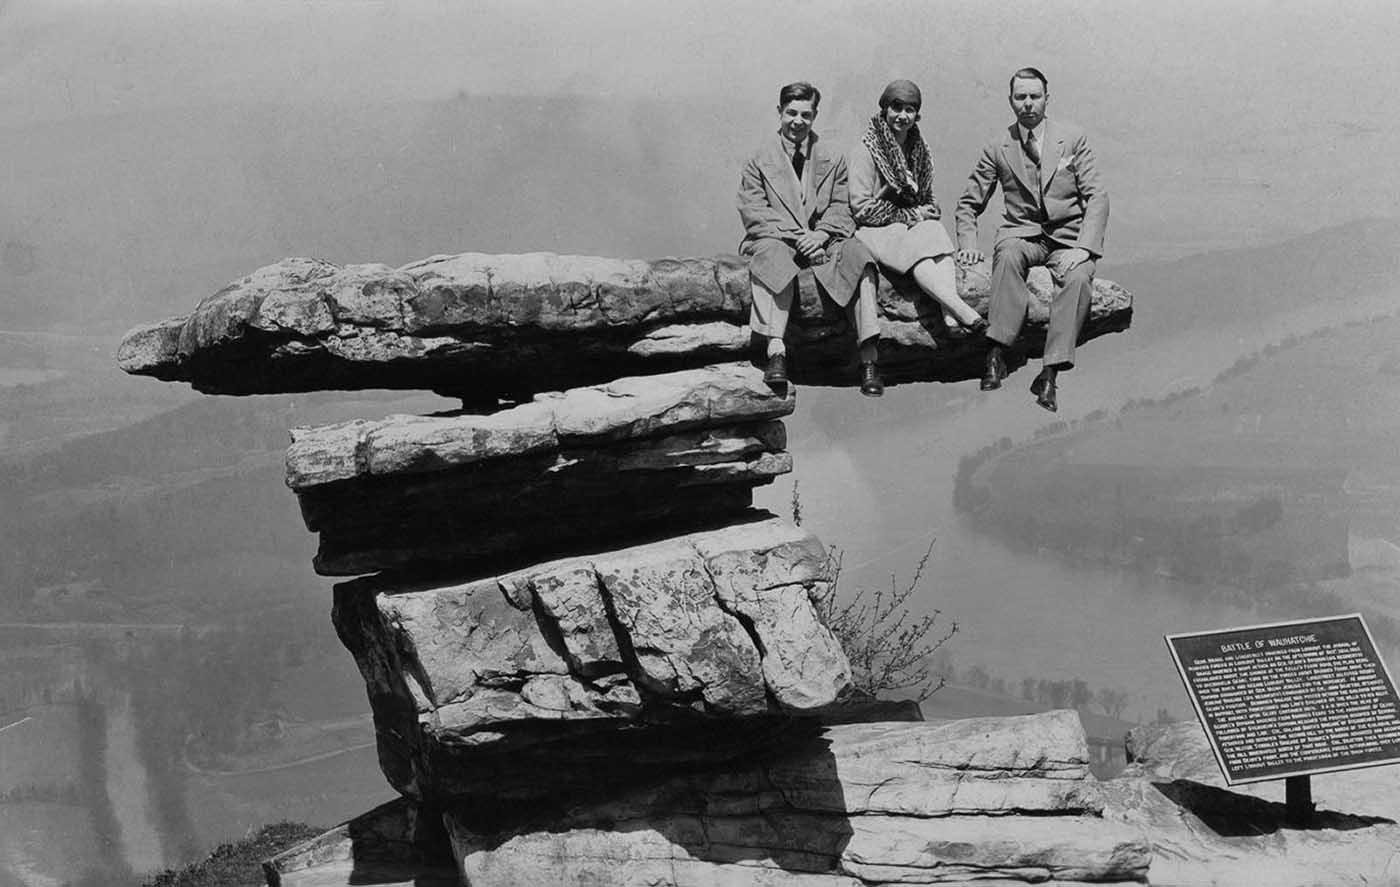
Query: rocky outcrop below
x=981, y=799
x=589, y=659
x=482, y=327
x=1203, y=833
x=991, y=800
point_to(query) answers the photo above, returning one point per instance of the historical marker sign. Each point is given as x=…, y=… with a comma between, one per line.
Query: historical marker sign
x=1291, y=698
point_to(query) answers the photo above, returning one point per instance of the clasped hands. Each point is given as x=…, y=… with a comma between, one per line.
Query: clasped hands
x=812, y=246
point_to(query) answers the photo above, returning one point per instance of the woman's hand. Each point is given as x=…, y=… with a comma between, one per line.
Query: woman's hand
x=930, y=212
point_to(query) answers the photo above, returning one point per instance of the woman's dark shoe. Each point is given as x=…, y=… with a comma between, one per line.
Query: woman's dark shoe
x=956, y=329
x=871, y=385
x=995, y=371
x=952, y=328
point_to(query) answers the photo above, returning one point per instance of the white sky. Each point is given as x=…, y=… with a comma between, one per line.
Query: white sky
x=1219, y=124
x=93, y=56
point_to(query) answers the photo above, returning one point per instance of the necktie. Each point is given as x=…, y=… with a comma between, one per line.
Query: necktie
x=1033, y=155
x=798, y=161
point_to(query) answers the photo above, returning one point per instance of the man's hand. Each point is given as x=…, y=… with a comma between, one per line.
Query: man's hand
x=1066, y=261
x=968, y=256
x=811, y=242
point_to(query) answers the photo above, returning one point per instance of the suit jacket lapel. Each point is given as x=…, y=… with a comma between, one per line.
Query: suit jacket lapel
x=1014, y=156
x=778, y=167
x=1050, y=154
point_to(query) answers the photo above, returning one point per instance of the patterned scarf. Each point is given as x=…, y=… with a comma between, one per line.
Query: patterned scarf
x=911, y=179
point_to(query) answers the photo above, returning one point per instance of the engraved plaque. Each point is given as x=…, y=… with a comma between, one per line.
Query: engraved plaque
x=1291, y=698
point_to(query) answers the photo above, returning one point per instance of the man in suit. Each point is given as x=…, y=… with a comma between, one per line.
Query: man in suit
x=1056, y=211
x=793, y=201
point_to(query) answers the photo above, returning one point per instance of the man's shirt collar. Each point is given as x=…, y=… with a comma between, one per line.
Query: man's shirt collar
x=789, y=146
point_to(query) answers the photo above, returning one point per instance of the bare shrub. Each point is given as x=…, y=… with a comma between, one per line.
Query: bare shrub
x=890, y=649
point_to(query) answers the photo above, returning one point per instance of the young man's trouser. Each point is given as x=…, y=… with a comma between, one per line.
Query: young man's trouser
x=769, y=316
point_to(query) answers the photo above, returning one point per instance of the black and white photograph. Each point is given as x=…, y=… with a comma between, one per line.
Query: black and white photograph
x=815, y=443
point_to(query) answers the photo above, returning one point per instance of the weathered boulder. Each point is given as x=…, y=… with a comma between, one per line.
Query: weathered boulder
x=482, y=327
x=667, y=452
x=1205, y=834
x=531, y=683
x=1007, y=799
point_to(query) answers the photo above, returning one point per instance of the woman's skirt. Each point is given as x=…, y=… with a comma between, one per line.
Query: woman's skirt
x=899, y=247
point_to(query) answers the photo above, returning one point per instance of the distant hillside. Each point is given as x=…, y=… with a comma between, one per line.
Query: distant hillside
x=1332, y=265
x=1254, y=488
x=121, y=524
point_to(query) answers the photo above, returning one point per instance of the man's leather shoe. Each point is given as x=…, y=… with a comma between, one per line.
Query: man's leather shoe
x=871, y=385
x=1044, y=390
x=775, y=374
x=995, y=372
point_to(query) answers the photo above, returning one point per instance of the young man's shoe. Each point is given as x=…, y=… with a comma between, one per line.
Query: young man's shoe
x=995, y=371
x=775, y=374
x=871, y=385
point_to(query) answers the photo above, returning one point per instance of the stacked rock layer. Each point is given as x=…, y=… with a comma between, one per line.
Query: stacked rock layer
x=589, y=659
x=581, y=466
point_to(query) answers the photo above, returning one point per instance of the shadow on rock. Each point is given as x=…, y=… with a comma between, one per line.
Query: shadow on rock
x=395, y=843
x=678, y=829
x=1234, y=815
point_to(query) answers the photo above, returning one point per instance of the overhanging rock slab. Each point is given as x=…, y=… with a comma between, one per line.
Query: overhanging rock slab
x=483, y=327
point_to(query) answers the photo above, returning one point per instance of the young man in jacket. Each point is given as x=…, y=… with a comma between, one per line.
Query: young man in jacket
x=793, y=201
